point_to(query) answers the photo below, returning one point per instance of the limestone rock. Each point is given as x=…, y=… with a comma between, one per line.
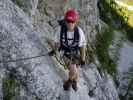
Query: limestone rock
x=41, y=76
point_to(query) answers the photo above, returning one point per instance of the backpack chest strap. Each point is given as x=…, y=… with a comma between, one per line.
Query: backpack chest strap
x=64, y=38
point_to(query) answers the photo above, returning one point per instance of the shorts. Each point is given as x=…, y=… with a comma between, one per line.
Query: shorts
x=71, y=59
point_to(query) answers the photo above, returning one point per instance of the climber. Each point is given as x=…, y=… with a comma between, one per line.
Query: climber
x=70, y=40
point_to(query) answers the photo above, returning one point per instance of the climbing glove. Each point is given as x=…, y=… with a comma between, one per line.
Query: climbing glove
x=51, y=53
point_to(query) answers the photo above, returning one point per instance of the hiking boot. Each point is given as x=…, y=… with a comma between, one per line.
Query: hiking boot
x=67, y=85
x=74, y=85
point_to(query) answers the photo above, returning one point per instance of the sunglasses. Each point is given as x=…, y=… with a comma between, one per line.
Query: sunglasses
x=69, y=21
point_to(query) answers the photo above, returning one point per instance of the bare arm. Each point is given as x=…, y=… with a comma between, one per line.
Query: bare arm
x=82, y=53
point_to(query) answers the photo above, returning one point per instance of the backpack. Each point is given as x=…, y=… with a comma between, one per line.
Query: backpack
x=64, y=40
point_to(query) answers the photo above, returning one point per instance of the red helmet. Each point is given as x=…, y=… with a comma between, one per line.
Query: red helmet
x=71, y=15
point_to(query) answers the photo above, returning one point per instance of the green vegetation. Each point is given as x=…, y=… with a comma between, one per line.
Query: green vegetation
x=104, y=40
x=117, y=16
x=120, y=18
x=9, y=85
x=12, y=88
x=20, y=3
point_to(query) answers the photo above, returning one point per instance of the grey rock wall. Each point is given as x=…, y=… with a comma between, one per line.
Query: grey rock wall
x=42, y=76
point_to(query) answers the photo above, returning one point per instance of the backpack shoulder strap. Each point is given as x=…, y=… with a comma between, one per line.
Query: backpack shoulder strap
x=61, y=22
x=63, y=32
x=76, y=34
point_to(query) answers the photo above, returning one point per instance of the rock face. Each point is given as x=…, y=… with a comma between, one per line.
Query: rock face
x=41, y=77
